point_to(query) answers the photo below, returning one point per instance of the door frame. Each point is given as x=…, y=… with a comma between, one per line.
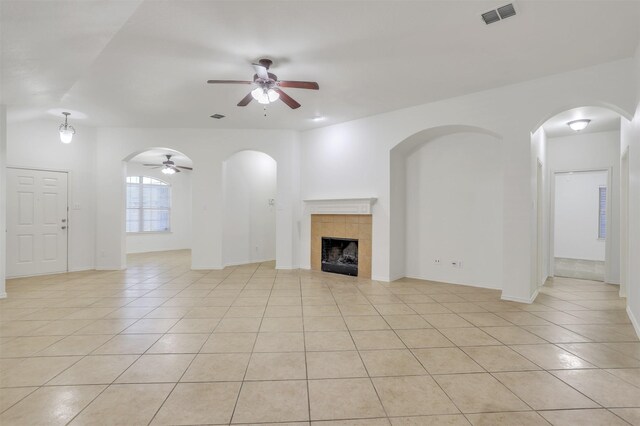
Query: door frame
x=552, y=216
x=624, y=222
x=41, y=169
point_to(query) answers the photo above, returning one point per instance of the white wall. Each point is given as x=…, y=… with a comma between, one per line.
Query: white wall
x=630, y=139
x=3, y=198
x=180, y=236
x=594, y=151
x=539, y=227
x=249, y=179
x=453, y=210
x=577, y=214
x=36, y=144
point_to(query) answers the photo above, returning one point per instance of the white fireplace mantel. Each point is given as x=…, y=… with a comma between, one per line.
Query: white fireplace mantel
x=339, y=206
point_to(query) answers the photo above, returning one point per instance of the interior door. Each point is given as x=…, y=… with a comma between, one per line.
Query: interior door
x=36, y=222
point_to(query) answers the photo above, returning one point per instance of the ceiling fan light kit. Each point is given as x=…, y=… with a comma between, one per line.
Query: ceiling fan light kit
x=169, y=167
x=268, y=87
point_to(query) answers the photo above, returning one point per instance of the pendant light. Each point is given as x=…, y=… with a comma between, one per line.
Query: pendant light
x=66, y=130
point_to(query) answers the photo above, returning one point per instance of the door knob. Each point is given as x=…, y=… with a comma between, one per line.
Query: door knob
x=64, y=227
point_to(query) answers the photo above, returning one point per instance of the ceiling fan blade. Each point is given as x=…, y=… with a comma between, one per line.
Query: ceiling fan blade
x=229, y=82
x=293, y=104
x=261, y=71
x=299, y=84
x=186, y=168
x=153, y=165
x=245, y=101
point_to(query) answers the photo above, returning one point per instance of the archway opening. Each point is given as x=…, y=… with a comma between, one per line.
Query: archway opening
x=446, y=207
x=249, y=193
x=158, y=204
x=580, y=196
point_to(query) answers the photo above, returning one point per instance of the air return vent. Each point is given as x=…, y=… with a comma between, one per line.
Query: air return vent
x=503, y=12
x=217, y=116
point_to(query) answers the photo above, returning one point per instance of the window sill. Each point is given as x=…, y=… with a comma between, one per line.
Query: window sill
x=149, y=233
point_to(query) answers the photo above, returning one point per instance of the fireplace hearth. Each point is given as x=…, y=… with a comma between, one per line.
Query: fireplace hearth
x=340, y=255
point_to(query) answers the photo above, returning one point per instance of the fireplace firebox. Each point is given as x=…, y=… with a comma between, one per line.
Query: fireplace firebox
x=340, y=255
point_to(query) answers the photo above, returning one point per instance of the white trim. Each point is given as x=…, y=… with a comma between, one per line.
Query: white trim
x=634, y=321
x=250, y=262
x=3, y=295
x=450, y=282
x=529, y=301
x=339, y=206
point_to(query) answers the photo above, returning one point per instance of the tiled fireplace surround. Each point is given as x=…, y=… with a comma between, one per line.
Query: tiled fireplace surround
x=341, y=218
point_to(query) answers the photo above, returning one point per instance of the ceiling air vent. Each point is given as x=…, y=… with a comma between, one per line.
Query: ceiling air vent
x=503, y=12
x=217, y=116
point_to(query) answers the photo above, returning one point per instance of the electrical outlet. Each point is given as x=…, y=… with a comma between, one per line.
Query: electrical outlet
x=454, y=264
x=436, y=262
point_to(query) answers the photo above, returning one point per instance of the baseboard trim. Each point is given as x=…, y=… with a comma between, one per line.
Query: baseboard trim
x=450, y=282
x=82, y=269
x=3, y=295
x=528, y=301
x=634, y=320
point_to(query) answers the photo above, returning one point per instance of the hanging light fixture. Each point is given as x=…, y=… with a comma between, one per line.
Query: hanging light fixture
x=66, y=130
x=168, y=170
x=264, y=95
x=578, y=125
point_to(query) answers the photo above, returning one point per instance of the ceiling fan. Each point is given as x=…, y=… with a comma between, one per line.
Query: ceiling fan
x=168, y=166
x=268, y=87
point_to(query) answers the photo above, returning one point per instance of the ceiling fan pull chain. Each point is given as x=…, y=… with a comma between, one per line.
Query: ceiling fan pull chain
x=265, y=110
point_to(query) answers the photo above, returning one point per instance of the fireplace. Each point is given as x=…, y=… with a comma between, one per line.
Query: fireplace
x=340, y=255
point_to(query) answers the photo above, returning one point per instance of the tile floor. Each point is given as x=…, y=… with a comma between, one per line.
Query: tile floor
x=161, y=344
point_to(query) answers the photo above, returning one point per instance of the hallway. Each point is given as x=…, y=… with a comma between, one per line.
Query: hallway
x=159, y=343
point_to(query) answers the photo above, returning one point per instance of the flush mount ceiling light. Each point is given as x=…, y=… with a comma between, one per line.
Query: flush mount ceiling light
x=578, y=125
x=66, y=130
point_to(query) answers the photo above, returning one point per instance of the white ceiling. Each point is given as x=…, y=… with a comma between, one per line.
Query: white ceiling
x=158, y=155
x=602, y=120
x=145, y=63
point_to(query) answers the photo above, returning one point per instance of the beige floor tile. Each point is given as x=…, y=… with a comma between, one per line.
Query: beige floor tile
x=381, y=339
x=279, y=342
x=26, y=346
x=366, y=322
x=277, y=366
x=235, y=325
x=127, y=344
x=599, y=417
x=397, y=362
x=195, y=325
x=551, y=357
x=443, y=420
x=631, y=415
x=468, y=337
x=526, y=418
x=328, y=341
x=60, y=328
x=556, y=334
x=359, y=422
x=343, y=399
x=150, y=325
x=522, y=318
x=446, y=361
x=282, y=401
x=329, y=365
x=354, y=310
x=446, y=320
x=394, y=309
x=199, y=403
x=36, y=371
x=322, y=311
x=206, y=312
x=245, y=312
x=75, y=345
x=229, y=342
x=55, y=405
x=542, y=391
x=217, y=368
x=281, y=324
x=479, y=393
x=95, y=369
x=499, y=358
x=424, y=338
x=602, y=387
x=601, y=355
x=629, y=375
x=156, y=368
x=412, y=396
x=283, y=311
x=485, y=319
x=124, y=405
x=429, y=308
x=324, y=324
x=10, y=396
x=178, y=344
x=106, y=326
x=406, y=322
x=513, y=335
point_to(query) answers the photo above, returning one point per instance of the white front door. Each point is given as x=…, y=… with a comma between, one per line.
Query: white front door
x=36, y=222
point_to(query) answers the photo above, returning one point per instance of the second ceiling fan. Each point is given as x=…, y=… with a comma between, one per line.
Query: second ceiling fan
x=268, y=86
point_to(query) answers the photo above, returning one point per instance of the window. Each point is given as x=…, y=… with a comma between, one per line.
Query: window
x=148, y=205
x=602, y=212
